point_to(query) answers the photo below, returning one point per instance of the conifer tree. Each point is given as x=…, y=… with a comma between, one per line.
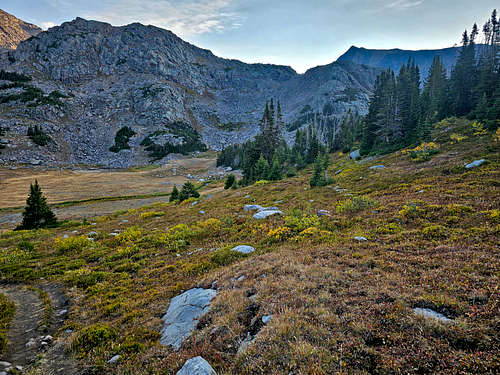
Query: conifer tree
x=37, y=213
x=275, y=173
x=261, y=169
x=174, y=195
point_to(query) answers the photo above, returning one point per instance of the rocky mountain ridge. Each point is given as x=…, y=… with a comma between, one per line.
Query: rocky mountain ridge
x=13, y=30
x=105, y=78
x=394, y=58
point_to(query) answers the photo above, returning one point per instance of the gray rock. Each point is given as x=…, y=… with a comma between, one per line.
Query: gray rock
x=265, y=214
x=196, y=366
x=429, y=313
x=360, y=238
x=253, y=207
x=355, y=154
x=183, y=314
x=475, y=163
x=115, y=358
x=244, y=249
x=377, y=167
x=266, y=319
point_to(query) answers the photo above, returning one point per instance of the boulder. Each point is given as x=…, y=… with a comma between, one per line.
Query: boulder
x=244, y=249
x=429, y=313
x=252, y=207
x=475, y=163
x=266, y=213
x=183, y=314
x=355, y=154
x=196, y=366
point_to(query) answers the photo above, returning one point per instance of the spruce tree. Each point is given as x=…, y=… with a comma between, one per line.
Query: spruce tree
x=275, y=173
x=174, y=195
x=37, y=213
x=261, y=169
x=229, y=181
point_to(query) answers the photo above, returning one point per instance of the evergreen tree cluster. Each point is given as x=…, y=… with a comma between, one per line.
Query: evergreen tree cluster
x=122, y=138
x=38, y=136
x=402, y=112
x=268, y=156
x=37, y=214
x=188, y=191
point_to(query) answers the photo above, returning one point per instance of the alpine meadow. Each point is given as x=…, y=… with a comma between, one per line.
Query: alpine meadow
x=164, y=210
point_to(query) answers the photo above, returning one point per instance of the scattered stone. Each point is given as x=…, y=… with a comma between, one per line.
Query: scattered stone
x=324, y=213
x=196, y=366
x=475, y=163
x=31, y=343
x=253, y=207
x=360, y=238
x=244, y=249
x=266, y=213
x=115, y=358
x=429, y=313
x=266, y=319
x=377, y=167
x=182, y=315
x=355, y=154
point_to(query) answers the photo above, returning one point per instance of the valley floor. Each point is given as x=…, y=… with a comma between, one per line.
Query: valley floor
x=341, y=287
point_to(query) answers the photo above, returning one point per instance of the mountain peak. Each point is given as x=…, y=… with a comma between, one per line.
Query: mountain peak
x=14, y=31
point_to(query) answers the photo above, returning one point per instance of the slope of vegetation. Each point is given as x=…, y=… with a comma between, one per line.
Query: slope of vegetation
x=338, y=305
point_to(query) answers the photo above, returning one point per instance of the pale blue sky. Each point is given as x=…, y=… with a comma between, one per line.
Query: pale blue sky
x=299, y=33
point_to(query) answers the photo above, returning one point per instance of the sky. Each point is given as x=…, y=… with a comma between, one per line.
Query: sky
x=299, y=33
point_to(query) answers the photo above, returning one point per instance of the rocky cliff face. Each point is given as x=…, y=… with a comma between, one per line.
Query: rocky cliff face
x=394, y=58
x=96, y=79
x=13, y=30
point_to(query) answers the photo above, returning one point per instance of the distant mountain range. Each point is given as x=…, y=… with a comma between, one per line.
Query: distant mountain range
x=91, y=79
x=13, y=30
x=395, y=58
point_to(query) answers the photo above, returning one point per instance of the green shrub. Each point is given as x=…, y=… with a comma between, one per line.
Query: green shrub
x=434, y=232
x=71, y=244
x=226, y=256
x=355, y=204
x=92, y=337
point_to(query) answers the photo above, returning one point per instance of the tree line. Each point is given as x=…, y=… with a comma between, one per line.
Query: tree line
x=402, y=111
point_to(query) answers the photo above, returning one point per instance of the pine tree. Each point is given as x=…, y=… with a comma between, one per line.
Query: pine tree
x=229, y=181
x=275, y=173
x=188, y=191
x=261, y=169
x=174, y=195
x=37, y=213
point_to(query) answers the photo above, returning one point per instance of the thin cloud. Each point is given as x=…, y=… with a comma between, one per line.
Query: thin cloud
x=183, y=17
x=404, y=4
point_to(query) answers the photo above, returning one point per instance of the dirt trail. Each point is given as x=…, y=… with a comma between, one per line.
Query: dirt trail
x=29, y=328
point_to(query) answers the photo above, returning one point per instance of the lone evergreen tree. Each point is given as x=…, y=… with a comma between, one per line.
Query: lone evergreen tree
x=37, y=213
x=174, y=195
